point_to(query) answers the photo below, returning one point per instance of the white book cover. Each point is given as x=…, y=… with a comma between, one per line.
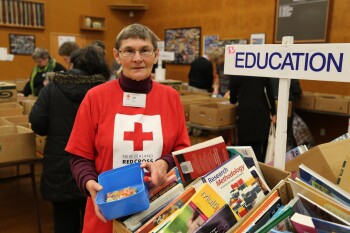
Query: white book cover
x=247, y=151
x=236, y=185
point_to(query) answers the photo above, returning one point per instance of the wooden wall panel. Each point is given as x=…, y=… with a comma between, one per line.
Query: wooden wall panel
x=227, y=18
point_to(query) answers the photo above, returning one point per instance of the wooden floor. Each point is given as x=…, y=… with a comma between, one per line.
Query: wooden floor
x=17, y=205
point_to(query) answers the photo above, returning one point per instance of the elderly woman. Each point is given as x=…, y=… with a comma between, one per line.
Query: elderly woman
x=44, y=64
x=128, y=120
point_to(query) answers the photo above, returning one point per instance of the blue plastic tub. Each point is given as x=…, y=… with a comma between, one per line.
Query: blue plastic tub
x=117, y=179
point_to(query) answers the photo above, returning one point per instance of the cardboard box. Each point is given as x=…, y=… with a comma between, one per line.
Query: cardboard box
x=4, y=122
x=20, y=84
x=176, y=84
x=306, y=101
x=214, y=114
x=27, y=104
x=275, y=179
x=8, y=92
x=22, y=120
x=10, y=109
x=332, y=104
x=16, y=143
x=325, y=159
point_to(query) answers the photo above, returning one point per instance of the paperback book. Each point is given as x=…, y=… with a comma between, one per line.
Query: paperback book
x=202, y=205
x=199, y=159
x=323, y=200
x=319, y=182
x=295, y=152
x=302, y=223
x=170, y=209
x=221, y=221
x=137, y=220
x=323, y=226
x=236, y=185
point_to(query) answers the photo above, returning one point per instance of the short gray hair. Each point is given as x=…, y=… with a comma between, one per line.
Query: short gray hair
x=136, y=31
x=40, y=53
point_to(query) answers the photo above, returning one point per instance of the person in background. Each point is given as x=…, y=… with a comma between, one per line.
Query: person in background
x=202, y=77
x=66, y=49
x=100, y=45
x=255, y=111
x=53, y=115
x=45, y=63
x=110, y=131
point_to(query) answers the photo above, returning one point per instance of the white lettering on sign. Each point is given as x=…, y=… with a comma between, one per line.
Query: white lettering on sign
x=312, y=61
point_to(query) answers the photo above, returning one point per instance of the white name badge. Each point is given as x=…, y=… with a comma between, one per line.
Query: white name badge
x=134, y=100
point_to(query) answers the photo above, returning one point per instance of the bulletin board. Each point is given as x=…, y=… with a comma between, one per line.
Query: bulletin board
x=306, y=21
x=57, y=38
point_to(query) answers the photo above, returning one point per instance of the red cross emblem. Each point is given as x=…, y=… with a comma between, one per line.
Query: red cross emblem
x=138, y=136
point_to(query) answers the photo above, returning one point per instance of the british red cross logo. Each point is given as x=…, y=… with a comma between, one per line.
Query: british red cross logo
x=138, y=136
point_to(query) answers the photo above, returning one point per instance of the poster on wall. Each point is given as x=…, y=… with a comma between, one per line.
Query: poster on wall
x=258, y=38
x=223, y=43
x=22, y=44
x=184, y=42
x=210, y=41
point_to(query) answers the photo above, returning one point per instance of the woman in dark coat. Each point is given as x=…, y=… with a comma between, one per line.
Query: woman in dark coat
x=53, y=115
x=254, y=112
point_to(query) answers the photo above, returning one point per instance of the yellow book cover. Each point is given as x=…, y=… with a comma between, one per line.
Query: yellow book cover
x=320, y=198
x=203, y=204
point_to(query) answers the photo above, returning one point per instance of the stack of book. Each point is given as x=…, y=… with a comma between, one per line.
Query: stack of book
x=215, y=188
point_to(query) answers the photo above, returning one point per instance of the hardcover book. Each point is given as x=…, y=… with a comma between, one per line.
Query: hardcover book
x=199, y=159
x=248, y=153
x=319, y=182
x=236, y=185
x=202, y=205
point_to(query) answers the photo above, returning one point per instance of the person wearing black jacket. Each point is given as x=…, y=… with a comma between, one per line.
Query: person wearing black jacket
x=53, y=115
x=254, y=113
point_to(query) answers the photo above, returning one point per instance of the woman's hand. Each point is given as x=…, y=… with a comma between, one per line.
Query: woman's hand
x=93, y=187
x=158, y=170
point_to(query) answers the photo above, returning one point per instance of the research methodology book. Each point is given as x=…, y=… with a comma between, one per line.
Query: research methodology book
x=316, y=180
x=236, y=185
x=199, y=159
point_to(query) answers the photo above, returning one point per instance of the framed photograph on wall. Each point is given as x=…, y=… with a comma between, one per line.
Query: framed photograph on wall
x=258, y=38
x=184, y=42
x=223, y=43
x=209, y=41
x=22, y=44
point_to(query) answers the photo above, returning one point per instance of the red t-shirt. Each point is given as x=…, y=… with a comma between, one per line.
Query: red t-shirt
x=114, y=135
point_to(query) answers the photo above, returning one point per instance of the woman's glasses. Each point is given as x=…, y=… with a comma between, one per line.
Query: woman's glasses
x=129, y=52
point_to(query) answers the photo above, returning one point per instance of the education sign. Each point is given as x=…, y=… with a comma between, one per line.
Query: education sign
x=324, y=62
